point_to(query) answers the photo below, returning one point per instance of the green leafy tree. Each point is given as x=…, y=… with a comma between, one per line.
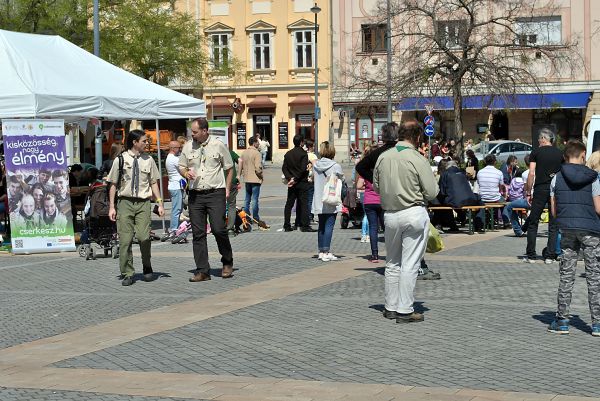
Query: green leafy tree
x=152, y=40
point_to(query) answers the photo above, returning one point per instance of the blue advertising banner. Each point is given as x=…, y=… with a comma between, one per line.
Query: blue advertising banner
x=38, y=186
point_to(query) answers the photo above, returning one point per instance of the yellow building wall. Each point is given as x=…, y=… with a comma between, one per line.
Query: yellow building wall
x=282, y=82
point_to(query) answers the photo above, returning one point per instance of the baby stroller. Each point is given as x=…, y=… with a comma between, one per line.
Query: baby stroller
x=99, y=233
x=352, y=209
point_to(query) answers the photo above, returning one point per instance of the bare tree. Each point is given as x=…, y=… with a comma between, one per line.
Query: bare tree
x=495, y=48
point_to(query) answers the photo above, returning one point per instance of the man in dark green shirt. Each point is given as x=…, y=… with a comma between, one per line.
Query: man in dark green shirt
x=233, y=191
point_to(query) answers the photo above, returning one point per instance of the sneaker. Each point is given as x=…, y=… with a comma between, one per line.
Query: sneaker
x=410, y=317
x=596, y=329
x=390, y=314
x=127, y=281
x=374, y=259
x=548, y=261
x=321, y=256
x=520, y=234
x=429, y=275
x=528, y=259
x=328, y=257
x=561, y=327
x=231, y=233
x=368, y=239
x=363, y=239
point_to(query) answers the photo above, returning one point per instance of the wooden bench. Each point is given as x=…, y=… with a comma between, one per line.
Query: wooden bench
x=468, y=209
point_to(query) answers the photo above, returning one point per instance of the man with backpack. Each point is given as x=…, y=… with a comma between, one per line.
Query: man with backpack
x=134, y=176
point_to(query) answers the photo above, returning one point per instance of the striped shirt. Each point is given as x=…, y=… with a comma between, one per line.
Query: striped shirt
x=489, y=180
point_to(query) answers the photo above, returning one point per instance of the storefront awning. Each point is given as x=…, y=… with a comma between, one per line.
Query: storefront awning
x=576, y=100
x=219, y=102
x=261, y=102
x=302, y=100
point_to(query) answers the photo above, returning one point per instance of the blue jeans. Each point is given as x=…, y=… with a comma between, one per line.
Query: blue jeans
x=365, y=221
x=374, y=214
x=326, y=223
x=176, y=207
x=252, y=190
x=264, y=158
x=508, y=214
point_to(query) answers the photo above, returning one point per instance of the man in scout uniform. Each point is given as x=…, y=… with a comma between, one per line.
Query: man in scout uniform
x=134, y=183
x=207, y=165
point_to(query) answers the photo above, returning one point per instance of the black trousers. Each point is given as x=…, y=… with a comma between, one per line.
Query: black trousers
x=299, y=194
x=211, y=205
x=541, y=197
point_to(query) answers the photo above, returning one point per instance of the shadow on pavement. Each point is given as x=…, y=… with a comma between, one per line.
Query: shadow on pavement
x=547, y=317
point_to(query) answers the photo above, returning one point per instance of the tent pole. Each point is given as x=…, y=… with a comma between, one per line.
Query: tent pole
x=160, y=181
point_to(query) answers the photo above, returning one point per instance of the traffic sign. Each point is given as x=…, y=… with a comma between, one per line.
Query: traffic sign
x=429, y=120
x=429, y=130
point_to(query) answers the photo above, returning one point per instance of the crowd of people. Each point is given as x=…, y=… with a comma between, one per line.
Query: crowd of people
x=397, y=184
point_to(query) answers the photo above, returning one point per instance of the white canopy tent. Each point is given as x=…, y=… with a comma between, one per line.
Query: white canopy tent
x=48, y=76
x=45, y=76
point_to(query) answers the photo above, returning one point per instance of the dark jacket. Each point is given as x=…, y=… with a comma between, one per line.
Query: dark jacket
x=366, y=166
x=455, y=189
x=295, y=164
x=574, y=201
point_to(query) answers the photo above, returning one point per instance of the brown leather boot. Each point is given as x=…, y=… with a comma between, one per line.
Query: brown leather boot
x=227, y=271
x=200, y=277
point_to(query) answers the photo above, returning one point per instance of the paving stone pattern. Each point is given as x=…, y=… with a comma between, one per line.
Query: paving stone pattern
x=48, y=299
x=14, y=394
x=485, y=328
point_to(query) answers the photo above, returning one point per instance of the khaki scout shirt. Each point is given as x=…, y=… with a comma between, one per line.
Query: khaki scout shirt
x=209, y=161
x=148, y=175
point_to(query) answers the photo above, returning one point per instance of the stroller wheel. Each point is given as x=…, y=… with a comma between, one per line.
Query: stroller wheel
x=92, y=253
x=81, y=250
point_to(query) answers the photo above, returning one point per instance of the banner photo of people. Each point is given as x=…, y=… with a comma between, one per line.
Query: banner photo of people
x=38, y=186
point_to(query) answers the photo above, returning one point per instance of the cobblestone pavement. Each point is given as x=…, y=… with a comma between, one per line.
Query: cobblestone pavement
x=20, y=394
x=485, y=324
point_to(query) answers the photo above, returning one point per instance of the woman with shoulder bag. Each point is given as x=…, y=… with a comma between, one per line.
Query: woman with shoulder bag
x=328, y=179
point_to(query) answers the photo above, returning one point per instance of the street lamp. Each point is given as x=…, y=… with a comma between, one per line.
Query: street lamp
x=316, y=10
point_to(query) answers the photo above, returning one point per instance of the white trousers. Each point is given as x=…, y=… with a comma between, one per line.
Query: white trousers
x=406, y=233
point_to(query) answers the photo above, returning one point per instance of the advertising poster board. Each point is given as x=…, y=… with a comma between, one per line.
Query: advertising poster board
x=241, y=135
x=283, y=135
x=219, y=129
x=38, y=186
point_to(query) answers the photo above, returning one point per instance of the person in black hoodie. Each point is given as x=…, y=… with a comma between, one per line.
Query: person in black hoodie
x=575, y=203
x=294, y=169
x=390, y=135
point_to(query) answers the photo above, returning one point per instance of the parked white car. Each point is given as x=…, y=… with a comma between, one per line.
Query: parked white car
x=502, y=149
x=593, y=135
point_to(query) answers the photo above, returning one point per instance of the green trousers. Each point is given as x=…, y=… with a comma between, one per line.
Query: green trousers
x=133, y=216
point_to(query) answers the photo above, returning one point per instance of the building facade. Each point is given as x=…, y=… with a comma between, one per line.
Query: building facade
x=359, y=39
x=262, y=74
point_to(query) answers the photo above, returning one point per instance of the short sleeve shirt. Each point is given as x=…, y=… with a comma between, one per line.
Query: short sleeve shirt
x=209, y=160
x=548, y=161
x=148, y=176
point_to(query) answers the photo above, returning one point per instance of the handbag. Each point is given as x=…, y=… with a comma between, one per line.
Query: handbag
x=332, y=192
x=471, y=173
x=434, y=240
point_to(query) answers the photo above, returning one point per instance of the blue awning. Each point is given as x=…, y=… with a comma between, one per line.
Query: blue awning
x=576, y=100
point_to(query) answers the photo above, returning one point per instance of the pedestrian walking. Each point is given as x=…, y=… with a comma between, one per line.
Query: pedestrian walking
x=405, y=183
x=207, y=165
x=575, y=203
x=263, y=148
x=324, y=168
x=134, y=176
x=251, y=173
x=295, y=172
x=175, y=179
x=232, y=198
x=544, y=163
